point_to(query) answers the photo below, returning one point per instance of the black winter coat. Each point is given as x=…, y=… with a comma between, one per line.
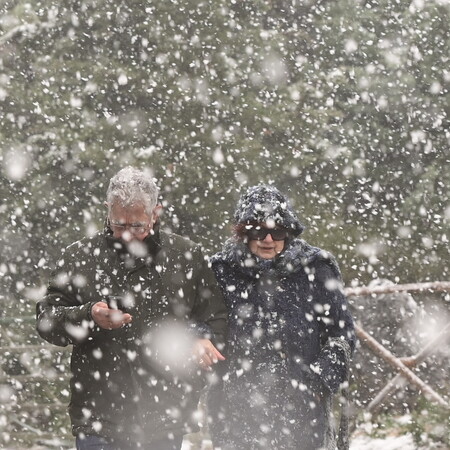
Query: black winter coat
x=122, y=388
x=289, y=342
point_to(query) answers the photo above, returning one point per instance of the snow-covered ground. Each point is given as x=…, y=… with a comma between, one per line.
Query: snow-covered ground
x=404, y=442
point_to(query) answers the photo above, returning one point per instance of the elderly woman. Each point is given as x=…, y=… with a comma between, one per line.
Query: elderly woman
x=290, y=332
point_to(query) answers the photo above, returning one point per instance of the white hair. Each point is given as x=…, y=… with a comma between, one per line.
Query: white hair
x=131, y=186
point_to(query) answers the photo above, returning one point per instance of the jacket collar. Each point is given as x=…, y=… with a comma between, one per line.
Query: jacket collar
x=296, y=255
x=145, y=251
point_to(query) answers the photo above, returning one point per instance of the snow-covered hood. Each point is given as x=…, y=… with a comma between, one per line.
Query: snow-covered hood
x=262, y=203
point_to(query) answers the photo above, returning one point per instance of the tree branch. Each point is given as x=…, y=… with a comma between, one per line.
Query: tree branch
x=27, y=29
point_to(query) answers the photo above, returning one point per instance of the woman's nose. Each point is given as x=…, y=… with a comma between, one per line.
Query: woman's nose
x=268, y=238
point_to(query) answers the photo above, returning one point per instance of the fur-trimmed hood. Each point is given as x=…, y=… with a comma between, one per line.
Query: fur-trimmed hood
x=297, y=254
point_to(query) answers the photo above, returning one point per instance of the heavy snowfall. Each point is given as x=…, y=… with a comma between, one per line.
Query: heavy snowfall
x=343, y=105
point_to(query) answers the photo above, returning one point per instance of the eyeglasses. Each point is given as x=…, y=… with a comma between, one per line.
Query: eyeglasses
x=134, y=229
x=259, y=233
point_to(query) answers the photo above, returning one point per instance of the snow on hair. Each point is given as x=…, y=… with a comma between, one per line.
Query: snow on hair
x=131, y=186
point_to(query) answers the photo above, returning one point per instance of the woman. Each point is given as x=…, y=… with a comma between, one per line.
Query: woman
x=290, y=332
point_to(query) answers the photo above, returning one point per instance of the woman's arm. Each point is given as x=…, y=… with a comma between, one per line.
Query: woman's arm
x=336, y=324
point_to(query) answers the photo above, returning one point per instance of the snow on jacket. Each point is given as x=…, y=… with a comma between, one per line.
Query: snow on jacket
x=119, y=389
x=289, y=342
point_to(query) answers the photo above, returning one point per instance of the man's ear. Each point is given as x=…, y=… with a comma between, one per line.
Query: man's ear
x=157, y=210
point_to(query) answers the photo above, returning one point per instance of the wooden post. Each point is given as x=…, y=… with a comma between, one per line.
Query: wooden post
x=385, y=354
x=412, y=361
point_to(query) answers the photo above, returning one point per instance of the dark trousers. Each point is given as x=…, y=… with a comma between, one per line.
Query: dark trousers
x=99, y=443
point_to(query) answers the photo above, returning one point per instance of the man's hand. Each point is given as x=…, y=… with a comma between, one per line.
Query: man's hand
x=206, y=354
x=107, y=318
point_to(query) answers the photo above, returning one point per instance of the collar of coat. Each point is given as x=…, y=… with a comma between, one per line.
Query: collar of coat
x=296, y=255
x=152, y=244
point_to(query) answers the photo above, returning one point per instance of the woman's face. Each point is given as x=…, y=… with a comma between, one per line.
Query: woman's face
x=266, y=248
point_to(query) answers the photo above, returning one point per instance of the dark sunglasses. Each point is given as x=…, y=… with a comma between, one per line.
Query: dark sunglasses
x=259, y=234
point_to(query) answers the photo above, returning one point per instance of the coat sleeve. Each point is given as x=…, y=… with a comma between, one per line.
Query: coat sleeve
x=62, y=316
x=209, y=312
x=336, y=323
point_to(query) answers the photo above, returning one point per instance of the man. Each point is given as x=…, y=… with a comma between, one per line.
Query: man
x=141, y=308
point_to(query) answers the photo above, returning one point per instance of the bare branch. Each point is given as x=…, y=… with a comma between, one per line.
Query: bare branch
x=26, y=29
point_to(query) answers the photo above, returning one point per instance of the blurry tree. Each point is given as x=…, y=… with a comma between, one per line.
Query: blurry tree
x=342, y=104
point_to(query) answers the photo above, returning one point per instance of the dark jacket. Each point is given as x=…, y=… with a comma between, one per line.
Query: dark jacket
x=125, y=385
x=289, y=342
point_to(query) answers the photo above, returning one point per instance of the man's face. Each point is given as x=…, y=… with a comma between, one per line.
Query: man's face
x=131, y=222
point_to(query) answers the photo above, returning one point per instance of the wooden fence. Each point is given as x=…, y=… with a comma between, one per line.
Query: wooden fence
x=402, y=365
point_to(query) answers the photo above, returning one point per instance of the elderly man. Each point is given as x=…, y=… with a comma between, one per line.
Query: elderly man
x=141, y=308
